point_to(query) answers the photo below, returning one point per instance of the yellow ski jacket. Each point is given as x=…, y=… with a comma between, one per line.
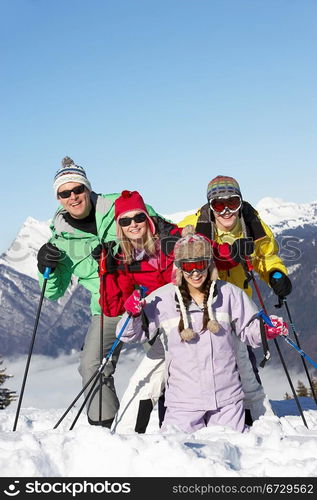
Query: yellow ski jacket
x=265, y=258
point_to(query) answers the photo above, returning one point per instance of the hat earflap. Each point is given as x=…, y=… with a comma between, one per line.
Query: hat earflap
x=212, y=325
x=187, y=334
x=178, y=277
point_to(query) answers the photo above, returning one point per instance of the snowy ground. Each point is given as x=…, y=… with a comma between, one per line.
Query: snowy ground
x=276, y=446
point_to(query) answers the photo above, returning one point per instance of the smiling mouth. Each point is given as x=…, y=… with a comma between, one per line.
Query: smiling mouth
x=227, y=216
x=198, y=278
x=75, y=204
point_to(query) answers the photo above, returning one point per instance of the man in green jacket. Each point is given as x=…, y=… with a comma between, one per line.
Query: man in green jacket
x=84, y=220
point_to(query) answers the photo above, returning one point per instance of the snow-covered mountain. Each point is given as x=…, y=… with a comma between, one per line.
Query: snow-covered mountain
x=21, y=255
x=63, y=323
x=281, y=215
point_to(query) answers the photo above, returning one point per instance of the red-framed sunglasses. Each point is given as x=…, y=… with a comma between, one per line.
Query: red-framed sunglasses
x=191, y=266
x=220, y=205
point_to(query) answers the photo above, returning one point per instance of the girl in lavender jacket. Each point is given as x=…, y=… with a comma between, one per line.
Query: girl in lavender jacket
x=199, y=318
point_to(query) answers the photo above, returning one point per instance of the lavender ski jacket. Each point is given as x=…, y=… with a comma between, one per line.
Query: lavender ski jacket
x=201, y=374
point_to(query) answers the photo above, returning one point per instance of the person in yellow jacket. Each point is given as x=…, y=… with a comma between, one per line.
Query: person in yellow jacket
x=227, y=217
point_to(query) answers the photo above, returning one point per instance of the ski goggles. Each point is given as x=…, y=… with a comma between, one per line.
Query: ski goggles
x=221, y=205
x=76, y=190
x=189, y=267
x=126, y=221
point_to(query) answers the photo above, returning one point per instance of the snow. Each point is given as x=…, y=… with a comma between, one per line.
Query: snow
x=292, y=269
x=179, y=216
x=276, y=445
x=281, y=215
x=22, y=253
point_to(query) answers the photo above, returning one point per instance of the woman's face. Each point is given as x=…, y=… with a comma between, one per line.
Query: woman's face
x=134, y=231
x=196, y=279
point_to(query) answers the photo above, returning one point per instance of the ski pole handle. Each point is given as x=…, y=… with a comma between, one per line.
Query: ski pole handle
x=281, y=300
x=47, y=272
x=143, y=291
x=277, y=275
x=265, y=317
x=249, y=264
x=102, y=262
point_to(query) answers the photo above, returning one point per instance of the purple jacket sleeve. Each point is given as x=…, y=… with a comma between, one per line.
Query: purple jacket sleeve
x=244, y=317
x=154, y=311
x=133, y=332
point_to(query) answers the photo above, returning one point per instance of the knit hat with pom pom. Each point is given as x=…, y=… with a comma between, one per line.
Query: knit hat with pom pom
x=193, y=246
x=128, y=202
x=69, y=172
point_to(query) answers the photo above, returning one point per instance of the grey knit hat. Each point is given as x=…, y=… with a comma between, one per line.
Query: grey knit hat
x=193, y=246
x=69, y=172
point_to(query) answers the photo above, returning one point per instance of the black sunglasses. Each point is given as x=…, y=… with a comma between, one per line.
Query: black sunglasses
x=66, y=194
x=126, y=221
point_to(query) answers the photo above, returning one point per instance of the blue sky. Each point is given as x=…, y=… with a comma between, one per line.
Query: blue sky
x=158, y=96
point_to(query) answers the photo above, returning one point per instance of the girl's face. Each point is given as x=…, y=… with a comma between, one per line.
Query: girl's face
x=196, y=279
x=134, y=231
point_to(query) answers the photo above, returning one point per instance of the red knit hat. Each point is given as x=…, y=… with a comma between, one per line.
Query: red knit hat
x=129, y=201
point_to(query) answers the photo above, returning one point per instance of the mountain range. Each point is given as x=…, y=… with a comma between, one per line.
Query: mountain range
x=63, y=324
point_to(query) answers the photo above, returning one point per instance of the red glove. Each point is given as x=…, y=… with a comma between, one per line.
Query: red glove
x=134, y=304
x=280, y=328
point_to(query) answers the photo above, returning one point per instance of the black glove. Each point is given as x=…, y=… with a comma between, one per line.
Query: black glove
x=96, y=253
x=48, y=256
x=111, y=261
x=240, y=248
x=280, y=283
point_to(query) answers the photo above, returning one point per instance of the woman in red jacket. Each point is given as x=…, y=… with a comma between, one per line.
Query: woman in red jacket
x=144, y=255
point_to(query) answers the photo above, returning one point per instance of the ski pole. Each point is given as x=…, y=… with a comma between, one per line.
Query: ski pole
x=105, y=361
x=250, y=275
x=102, y=272
x=46, y=276
x=97, y=372
x=248, y=269
x=280, y=303
x=301, y=352
x=100, y=369
x=95, y=376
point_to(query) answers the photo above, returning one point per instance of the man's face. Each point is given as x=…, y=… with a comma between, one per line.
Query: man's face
x=226, y=211
x=227, y=221
x=77, y=205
